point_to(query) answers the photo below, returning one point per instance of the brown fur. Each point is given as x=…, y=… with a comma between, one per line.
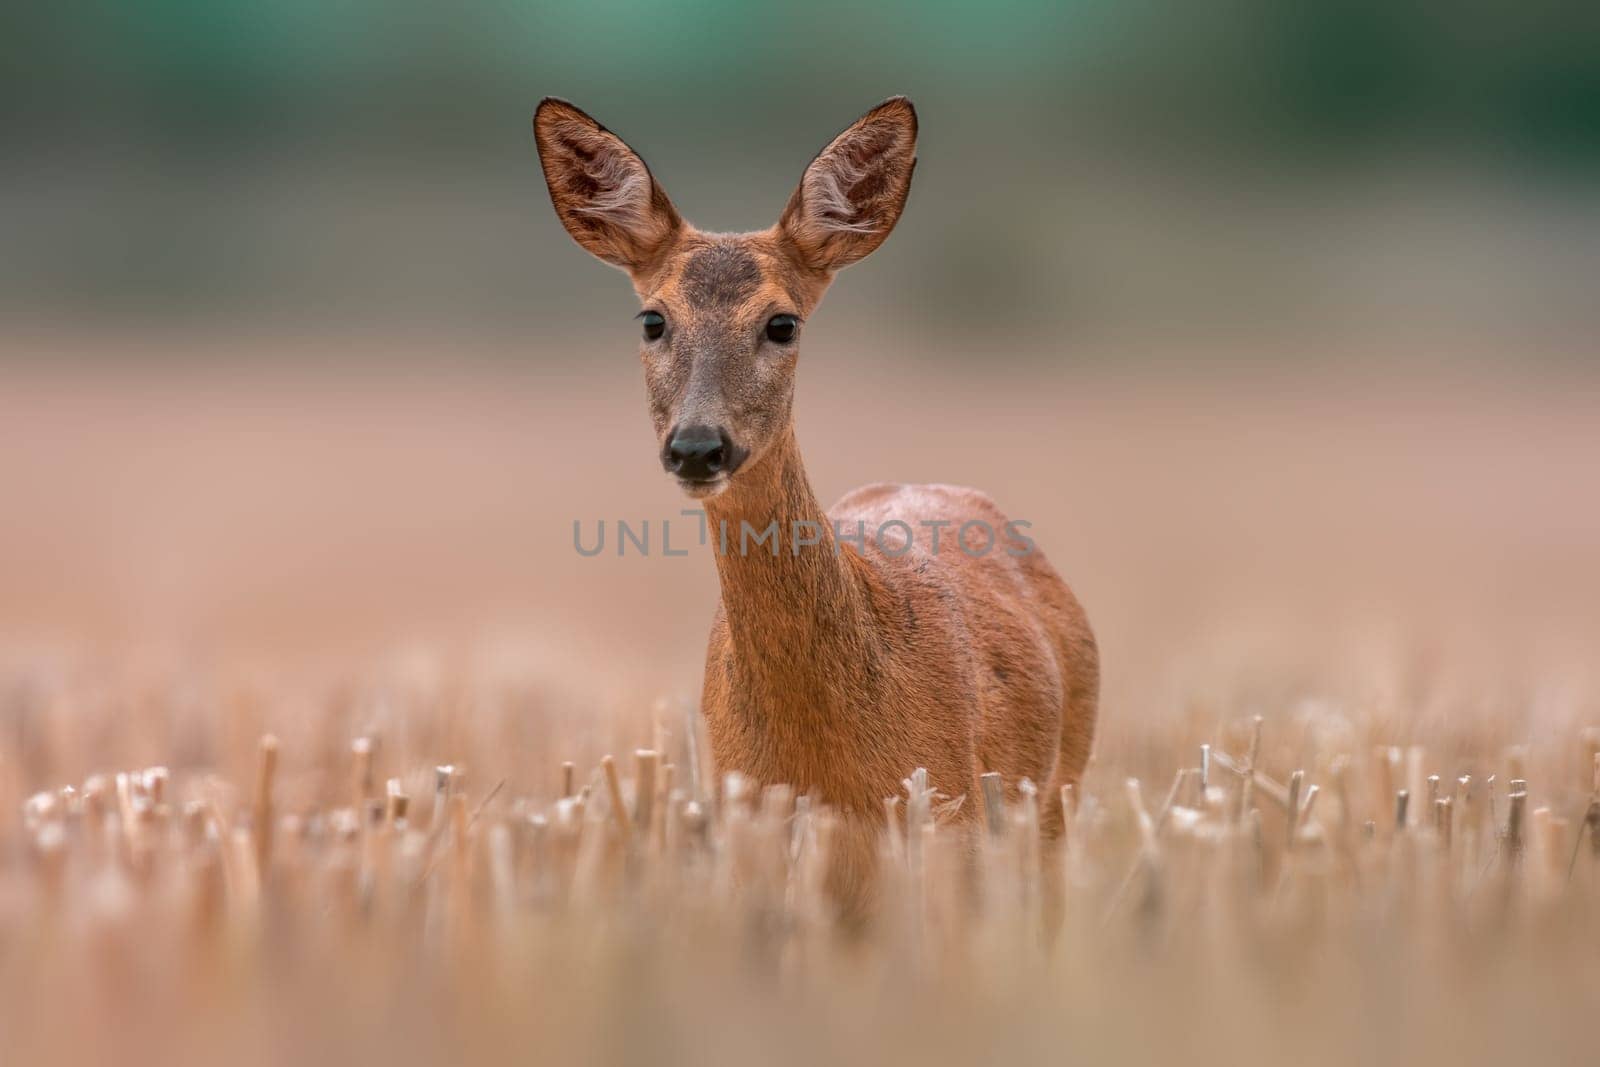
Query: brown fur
x=839, y=667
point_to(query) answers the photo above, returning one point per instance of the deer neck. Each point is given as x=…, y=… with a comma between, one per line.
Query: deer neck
x=794, y=617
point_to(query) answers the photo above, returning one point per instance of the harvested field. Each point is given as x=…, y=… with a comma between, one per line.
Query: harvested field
x=317, y=743
x=346, y=902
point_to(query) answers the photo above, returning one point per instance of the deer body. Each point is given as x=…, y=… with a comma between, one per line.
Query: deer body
x=837, y=663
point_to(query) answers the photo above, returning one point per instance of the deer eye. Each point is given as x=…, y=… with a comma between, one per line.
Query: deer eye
x=654, y=325
x=781, y=328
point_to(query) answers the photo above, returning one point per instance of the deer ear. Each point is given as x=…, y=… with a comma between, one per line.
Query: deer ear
x=852, y=194
x=602, y=191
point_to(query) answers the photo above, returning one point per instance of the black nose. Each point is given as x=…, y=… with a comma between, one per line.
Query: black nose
x=698, y=453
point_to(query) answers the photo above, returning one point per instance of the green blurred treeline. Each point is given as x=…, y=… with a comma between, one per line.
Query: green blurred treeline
x=1523, y=76
x=191, y=156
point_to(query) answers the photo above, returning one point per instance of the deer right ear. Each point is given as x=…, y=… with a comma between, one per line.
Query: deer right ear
x=602, y=191
x=853, y=192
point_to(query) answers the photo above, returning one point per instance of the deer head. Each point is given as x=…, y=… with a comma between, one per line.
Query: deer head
x=723, y=313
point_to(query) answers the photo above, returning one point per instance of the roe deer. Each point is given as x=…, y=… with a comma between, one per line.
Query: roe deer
x=840, y=663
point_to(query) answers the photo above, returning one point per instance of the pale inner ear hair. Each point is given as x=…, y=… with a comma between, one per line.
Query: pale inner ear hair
x=599, y=177
x=827, y=194
x=622, y=188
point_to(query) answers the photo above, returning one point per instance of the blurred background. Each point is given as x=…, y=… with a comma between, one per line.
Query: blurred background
x=1276, y=320
x=367, y=166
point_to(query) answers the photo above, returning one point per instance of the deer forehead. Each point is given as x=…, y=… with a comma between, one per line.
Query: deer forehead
x=727, y=279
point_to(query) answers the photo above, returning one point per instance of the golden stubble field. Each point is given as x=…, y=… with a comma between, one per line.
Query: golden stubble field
x=364, y=551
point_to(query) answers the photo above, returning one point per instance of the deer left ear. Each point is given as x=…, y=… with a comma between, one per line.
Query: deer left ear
x=852, y=194
x=602, y=191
